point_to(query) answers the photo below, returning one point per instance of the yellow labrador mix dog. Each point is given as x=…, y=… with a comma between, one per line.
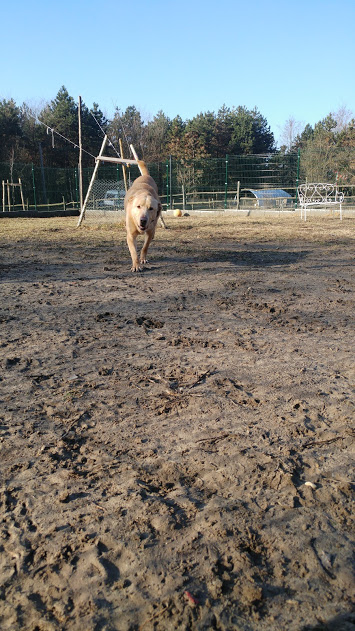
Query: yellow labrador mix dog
x=142, y=206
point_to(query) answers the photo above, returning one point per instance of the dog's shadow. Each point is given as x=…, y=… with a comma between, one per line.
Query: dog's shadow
x=262, y=257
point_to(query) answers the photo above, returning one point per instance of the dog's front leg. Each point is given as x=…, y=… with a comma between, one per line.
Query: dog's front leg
x=132, y=245
x=147, y=239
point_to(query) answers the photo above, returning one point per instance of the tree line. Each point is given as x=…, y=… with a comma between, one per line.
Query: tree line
x=40, y=138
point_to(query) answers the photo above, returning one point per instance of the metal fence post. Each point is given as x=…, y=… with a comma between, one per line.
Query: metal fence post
x=76, y=177
x=298, y=175
x=167, y=185
x=171, y=181
x=34, y=187
x=43, y=176
x=226, y=184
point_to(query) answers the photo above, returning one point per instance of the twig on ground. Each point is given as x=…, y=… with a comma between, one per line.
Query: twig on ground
x=215, y=439
x=323, y=442
x=158, y=613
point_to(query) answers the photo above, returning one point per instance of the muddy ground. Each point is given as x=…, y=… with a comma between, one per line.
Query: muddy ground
x=177, y=445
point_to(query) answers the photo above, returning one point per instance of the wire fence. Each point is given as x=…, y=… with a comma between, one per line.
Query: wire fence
x=208, y=184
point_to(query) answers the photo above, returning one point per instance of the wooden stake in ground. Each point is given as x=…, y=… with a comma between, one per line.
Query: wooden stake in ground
x=97, y=164
x=80, y=157
x=123, y=165
x=13, y=185
x=100, y=158
x=21, y=193
x=8, y=194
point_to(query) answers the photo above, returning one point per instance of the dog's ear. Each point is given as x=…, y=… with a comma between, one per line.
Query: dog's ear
x=159, y=209
x=129, y=197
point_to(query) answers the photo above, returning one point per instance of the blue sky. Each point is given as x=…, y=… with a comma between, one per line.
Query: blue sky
x=289, y=59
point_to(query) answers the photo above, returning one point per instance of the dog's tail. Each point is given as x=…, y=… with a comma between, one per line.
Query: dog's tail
x=143, y=167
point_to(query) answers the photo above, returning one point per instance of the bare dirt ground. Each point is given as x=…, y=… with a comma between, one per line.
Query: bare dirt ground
x=176, y=445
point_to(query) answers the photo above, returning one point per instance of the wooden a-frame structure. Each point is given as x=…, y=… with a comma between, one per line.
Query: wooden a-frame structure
x=102, y=158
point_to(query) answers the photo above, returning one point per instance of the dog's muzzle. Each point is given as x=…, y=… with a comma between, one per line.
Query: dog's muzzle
x=143, y=222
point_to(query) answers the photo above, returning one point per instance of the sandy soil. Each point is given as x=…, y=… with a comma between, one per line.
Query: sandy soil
x=176, y=445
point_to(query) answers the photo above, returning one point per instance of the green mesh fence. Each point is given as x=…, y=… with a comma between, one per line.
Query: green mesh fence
x=42, y=188
x=222, y=183
x=192, y=184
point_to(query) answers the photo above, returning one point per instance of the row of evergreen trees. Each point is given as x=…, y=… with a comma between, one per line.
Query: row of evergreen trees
x=233, y=131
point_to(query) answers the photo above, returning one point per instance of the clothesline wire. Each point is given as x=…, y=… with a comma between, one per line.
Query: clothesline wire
x=75, y=145
x=104, y=133
x=54, y=131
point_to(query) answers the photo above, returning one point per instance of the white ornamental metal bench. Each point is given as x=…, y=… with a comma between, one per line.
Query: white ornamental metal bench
x=319, y=197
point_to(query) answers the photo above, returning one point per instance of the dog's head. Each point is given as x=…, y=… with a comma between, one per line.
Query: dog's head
x=145, y=210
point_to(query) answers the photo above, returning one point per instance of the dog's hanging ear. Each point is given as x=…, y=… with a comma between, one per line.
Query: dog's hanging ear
x=160, y=208
x=129, y=197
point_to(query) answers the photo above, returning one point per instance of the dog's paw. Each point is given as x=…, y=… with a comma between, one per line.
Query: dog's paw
x=144, y=261
x=136, y=268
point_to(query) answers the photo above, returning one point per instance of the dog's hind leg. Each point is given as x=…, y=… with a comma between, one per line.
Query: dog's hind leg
x=162, y=222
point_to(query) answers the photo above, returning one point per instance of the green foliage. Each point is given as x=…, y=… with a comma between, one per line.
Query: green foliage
x=24, y=137
x=91, y=131
x=237, y=131
x=10, y=129
x=156, y=133
x=129, y=127
x=204, y=126
x=327, y=155
x=60, y=115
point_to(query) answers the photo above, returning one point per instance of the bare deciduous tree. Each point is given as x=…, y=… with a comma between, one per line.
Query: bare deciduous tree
x=289, y=132
x=343, y=116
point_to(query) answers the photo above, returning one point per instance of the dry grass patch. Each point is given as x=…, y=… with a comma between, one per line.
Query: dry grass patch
x=60, y=230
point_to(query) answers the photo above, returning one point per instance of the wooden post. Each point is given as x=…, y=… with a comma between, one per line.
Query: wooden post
x=21, y=192
x=43, y=176
x=226, y=184
x=92, y=180
x=8, y=194
x=135, y=157
x=123, y=165
x=80, y=157
x=117, y=160
x=238, y=194
x=3, y=196
x=171, y=181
